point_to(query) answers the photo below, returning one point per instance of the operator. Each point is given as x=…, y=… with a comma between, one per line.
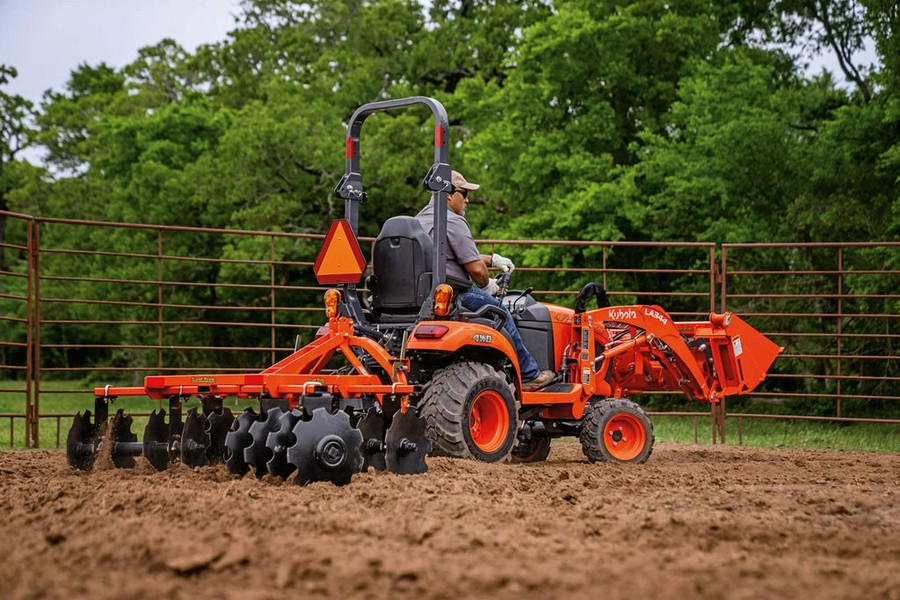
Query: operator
x=464, y=262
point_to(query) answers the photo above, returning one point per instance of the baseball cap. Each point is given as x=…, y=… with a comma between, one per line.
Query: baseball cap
x=460, y=182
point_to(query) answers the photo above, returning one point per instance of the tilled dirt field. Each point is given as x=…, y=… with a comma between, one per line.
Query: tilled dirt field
x=696, y=521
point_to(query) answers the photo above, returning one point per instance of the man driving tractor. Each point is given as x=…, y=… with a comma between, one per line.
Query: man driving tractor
x=465, y=262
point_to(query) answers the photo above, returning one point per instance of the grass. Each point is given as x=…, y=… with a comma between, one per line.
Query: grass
x=782, y=433
x=61, y=398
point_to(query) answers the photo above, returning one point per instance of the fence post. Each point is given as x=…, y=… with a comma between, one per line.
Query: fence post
x=840, y=321
x=713, y=275
x=717, y=411
x=159, y=300
x=723, y=275
x=29, y=331
x=33, y=406
x=272, y=302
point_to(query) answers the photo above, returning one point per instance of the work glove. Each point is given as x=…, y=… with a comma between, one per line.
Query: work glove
x=491, y=288
x=502, y=263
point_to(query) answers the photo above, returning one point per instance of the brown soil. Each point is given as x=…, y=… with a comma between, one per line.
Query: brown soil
x=696, y=521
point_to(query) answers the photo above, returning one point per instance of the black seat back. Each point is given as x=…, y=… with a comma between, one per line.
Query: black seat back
x=402, y=265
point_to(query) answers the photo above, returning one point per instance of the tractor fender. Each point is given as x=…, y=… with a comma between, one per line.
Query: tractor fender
x=453, y=337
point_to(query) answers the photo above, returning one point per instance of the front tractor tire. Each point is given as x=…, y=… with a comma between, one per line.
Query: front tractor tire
x=470, y=411
x=616, y=430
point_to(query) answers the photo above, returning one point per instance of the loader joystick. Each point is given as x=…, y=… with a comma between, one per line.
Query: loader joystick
x=503, y=284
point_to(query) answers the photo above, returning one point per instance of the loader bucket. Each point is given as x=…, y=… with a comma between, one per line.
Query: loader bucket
x=744, y=356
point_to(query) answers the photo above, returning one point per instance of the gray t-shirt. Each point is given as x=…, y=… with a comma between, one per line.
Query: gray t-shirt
x=460, y=248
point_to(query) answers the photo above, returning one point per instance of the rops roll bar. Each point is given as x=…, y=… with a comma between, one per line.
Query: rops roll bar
x=437, y=180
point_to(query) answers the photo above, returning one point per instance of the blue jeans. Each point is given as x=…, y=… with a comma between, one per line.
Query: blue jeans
x=473, y=299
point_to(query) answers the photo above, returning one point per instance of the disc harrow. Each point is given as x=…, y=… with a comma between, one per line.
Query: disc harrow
x=321, y=440
x=328, y=448
x=196, y=442
x=278, y=441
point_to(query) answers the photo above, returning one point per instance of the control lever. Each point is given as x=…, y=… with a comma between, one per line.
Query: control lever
x=527, y=292
x=503, y=284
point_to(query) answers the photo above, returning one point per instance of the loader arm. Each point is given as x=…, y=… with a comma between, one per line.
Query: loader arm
x=707, y=360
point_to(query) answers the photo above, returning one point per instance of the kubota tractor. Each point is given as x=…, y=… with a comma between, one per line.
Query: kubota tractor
x=413, y=373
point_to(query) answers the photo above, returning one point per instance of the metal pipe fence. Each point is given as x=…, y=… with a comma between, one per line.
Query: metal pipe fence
x=835, y=307
x=87, y=303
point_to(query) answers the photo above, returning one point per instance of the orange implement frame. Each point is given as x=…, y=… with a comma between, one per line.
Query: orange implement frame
x=298, y=374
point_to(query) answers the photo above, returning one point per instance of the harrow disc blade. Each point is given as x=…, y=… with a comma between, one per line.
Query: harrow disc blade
x=194, y=440
x=218, y=422
x=327, y=448
x=256, y=455
x=237, y=439
x=120, y=432
x=371, y=426
x=407, y=444
x=279, y=441
x=156, y=440
x=80, y=447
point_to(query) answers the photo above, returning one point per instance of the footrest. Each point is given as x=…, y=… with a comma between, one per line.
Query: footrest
x=556, y=388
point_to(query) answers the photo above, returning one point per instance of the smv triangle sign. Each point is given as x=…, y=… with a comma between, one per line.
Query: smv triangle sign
x=340, y=259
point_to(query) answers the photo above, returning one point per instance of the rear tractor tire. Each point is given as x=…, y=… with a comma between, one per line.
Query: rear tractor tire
x=616, y=430
x=471, y=411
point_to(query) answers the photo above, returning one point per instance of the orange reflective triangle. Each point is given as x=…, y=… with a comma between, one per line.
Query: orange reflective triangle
x=340, y=259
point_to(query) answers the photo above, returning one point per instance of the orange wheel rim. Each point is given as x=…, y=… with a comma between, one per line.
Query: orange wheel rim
x=624, y=436
x=489, y=421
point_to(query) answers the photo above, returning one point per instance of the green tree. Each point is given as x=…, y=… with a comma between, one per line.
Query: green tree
x=583, y=119
x=15, y=114
x=67, y=122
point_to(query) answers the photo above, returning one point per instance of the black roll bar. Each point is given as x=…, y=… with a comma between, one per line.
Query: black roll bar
x=437, y=180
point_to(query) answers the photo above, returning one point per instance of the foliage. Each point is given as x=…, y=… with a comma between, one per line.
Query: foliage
x=590, y=120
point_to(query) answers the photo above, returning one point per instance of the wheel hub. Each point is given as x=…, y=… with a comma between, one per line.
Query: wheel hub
x=617, y=436
x=331, y=452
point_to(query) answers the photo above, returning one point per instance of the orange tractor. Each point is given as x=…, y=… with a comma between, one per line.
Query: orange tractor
x=412, y=373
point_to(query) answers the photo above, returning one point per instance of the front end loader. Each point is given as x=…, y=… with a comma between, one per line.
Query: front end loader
x=409, y=372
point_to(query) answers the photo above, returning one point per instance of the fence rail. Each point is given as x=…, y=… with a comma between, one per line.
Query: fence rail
x=84, y=303
x=835, y=307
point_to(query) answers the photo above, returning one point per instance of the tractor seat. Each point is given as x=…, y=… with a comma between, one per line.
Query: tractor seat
x=401, y=277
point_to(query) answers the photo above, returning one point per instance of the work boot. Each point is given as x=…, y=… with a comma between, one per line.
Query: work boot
x=543, y=378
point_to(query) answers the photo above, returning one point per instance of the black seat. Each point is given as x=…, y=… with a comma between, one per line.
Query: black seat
x=402, y=270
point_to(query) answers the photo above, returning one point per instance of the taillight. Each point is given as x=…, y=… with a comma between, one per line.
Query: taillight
x=443, y=296
x=430, y=332
x=332, y=299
